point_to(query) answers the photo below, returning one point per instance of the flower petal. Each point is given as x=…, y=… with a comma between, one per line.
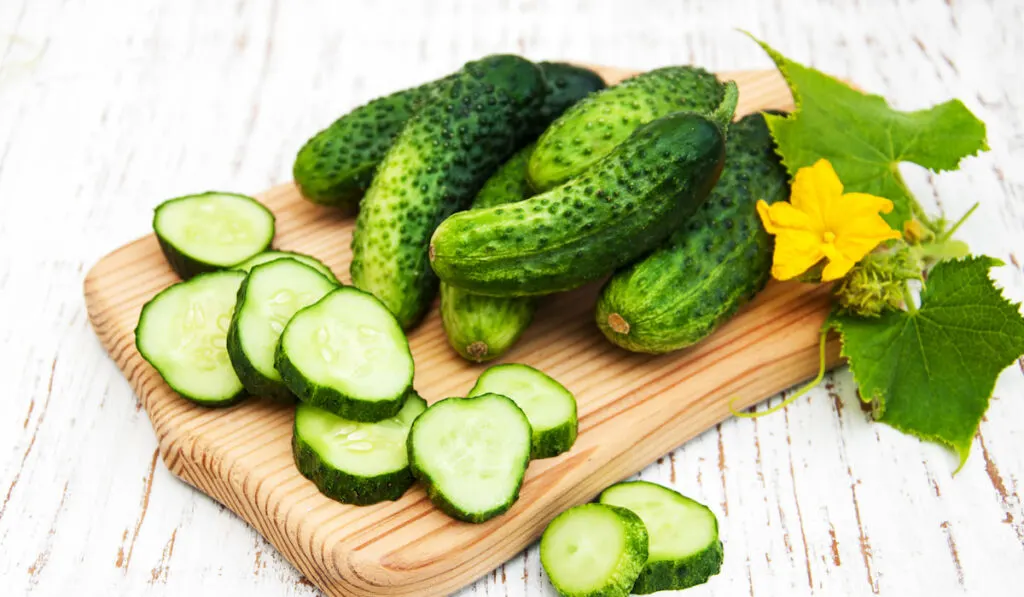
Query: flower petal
x=837, y=268
x=796, y=251
x=782, y=216
x=815, y=189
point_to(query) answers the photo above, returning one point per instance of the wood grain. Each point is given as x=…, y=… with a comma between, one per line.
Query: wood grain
x=633, y=409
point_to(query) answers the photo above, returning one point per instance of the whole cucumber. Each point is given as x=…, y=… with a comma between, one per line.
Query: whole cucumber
x=619, y=209
x=709, y=267
x=592, y=128
x=468, y=127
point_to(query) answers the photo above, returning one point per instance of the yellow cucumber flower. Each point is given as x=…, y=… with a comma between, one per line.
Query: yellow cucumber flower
x=820, y=222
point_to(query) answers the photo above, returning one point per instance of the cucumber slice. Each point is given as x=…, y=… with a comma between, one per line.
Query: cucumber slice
x=182, y=332
x=268, y=256
x=347, y=354
x=471, y=453
x=353, y=462
x=267, y=299
x=594, y=550
x=684, y=546
x=211, y=231
x=550, y=407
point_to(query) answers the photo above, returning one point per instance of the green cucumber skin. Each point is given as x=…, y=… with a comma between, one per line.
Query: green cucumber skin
x=481, y=328
x=188, y=267
x=555, y=441
x=309, y=260
x=336, y=165
x=592, y=128
x=435, y=167
x=437, y=496
x=621, y=208
x=567, y=85
x=674, y=575
x=345, y=487
x=709, y=267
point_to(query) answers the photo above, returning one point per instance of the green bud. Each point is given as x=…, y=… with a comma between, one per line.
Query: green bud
x=875, y=285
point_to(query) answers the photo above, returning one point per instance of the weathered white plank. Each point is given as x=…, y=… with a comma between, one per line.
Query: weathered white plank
x=108, y=107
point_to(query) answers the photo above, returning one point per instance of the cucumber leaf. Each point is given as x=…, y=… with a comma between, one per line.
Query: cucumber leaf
x=930, y=372
x=864, y=138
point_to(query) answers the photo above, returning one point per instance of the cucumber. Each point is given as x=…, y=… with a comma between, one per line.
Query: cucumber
x=594, y=550
x=471, y=454
x=567, y=84
x=347, y=355
x=436, y=165
x=684, y=548
x=481, y=328
x=182, y=333
x=623, y=207
x=335, y=167
x=353, y=462
x=211, y=231
x=267, y=256
x=550, y=408
x=591, y=129
x=708, y=268
x=267, y=299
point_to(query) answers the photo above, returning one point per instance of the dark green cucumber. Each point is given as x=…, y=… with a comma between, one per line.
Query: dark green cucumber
x=684, y=549
x=549, y=406
x=270, y=295
x=335, y=167
x=267, y=256
x=623, y=207
x=353, y=462
x=471, y=125
x=211, y=231
x=566, y=85
x=182, y=333
x=481, y=328
x=591, y=129
x=594, y=550
x=710, y=266
x=471, y=455
x=347, y=355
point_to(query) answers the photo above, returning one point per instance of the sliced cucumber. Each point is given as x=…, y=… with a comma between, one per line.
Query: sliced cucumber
x=267, y=256
x=550, y=407
x=182, y=332
x=471, y=453
x=211, y=231
x=594, y=550
x=347, y=354
x=684, y=546
x=353, y=462
x=267, y=299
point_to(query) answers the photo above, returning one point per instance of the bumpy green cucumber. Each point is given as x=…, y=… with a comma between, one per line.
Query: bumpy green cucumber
x=336, y=166
x=471, y=455
x=267, y=256
x=623, y=207
x=353, y=462
x=684, y=549
x=594, y=550
x=566, y=85
x=710, y=266
x=592, y=128
x=471, y=125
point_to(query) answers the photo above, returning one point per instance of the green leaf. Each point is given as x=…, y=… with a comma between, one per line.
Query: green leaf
x=931, y=372
x=865, y=139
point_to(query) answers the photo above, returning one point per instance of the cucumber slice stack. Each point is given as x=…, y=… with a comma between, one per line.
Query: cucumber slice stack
x=183, y=332
x=267, y=256
x=347, y=354
x=594, y=550
x=471, y=454
x=550, y=407
x=211, y=231
x=268, y=298
x=353, y=462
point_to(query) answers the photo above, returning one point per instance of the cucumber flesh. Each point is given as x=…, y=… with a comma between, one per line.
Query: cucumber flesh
x=594, y=550
x=268, y=256
x=182, y=333
x=550, y=408
x=211, y=231
x=471, y=454
x=347, y=354
x=270, y=295
x=353, y=462
x=684, y=547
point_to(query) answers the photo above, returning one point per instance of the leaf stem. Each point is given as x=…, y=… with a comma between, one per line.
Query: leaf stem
x=949, y=233
x=908, y=298
x=807, y=388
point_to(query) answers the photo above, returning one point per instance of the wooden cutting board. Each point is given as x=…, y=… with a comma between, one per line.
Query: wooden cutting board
x=632, y=408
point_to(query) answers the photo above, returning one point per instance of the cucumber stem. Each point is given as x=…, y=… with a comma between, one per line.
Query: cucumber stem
x=807, y=388
x=727, y=108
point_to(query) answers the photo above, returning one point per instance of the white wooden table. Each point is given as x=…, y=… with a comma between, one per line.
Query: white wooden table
x=107, y=108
